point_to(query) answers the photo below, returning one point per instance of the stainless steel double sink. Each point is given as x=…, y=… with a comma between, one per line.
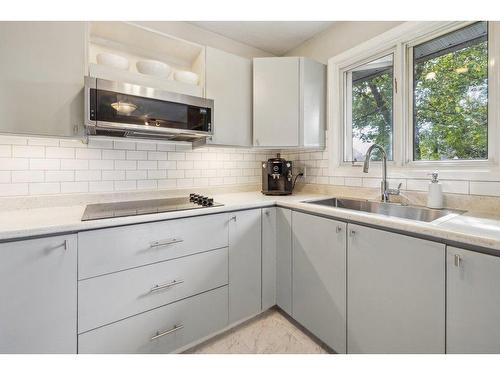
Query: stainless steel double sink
x=389, y=209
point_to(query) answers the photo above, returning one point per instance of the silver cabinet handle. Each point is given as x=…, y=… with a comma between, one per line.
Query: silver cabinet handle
x=158, y=287
x=338, y=229
x=66, y=245
x=166, y=242
x=232, y=218
x=267, y=213
x=161, y=334
x=458, y=260
x=352, y=232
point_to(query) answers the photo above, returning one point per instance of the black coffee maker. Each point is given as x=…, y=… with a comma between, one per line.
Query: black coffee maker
x=277, y=176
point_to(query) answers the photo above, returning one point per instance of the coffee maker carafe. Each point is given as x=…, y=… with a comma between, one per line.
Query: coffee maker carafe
x=277, y=176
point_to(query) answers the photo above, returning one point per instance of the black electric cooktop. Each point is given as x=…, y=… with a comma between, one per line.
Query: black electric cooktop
x=145, y=207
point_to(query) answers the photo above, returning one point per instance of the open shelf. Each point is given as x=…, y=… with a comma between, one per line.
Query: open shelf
x=136, y=43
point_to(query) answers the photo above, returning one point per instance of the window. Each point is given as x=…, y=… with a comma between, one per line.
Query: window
x=425, y=91
x=369, y=108
x=450, y=96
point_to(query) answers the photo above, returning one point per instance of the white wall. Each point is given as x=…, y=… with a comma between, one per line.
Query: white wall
x=339, y=38
x=195, y=34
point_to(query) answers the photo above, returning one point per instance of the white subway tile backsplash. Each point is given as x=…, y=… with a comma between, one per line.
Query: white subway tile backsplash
x=113, y=154
x=146, y=146
x=164, y=164
x=184, y=165
x=44, y=188
x=101, y=164
x=147, y=164
x=184, y=183
x=59, y=176
x=491, y=188
x=190, y=173
x=88, y=175
x=28, y=176
x=167, y=184
x=101, y=186
x=353, y=181
x=13, y=140
x=136, y=175
x=45, y=164
x=156, y=174
x=88, y=153
x=8, y=190
x=125, y=185
x=74, y=164
x=165, y=147
x=147, y=184
x=5, y=177
x=174, y=173
x=5, y=151
x=113, y=175
x=60, y=153
x=43, y=142
x=11, y=164
x=74, y=187
x=124, y=145
x=28, y=151
x=157, y=155
x=176, y=156
x=74, y=143
x=100, y=143
x=125, y=164
x=137, y=155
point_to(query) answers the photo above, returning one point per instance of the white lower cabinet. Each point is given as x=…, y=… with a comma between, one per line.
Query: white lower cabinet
x=319, y=277
x=162, y=330
x=473, y=302
x=395, y=293
x=38, y=295
x=284, y=259
x=108, y=298
x=269, y=242
x=245, y=264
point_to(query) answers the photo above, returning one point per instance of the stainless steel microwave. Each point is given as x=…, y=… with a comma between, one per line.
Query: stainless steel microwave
x=129, y=110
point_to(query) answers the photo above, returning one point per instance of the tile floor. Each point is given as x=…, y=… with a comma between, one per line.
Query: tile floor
x=270, y=332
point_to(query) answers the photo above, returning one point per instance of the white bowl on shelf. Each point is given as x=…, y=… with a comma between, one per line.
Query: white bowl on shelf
x=112, y=60
x=186, y=77
x=153, y=68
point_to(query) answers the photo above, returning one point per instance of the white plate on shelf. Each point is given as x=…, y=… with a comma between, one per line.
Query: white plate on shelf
x=153, y=68
x=186, y=77
x=112, y=60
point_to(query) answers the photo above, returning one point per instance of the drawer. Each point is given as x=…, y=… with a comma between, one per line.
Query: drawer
x=162, y=330
x=108, y=298
x=114, y=249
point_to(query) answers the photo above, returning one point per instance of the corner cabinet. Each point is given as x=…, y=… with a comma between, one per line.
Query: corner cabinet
x=39, y=295
x=473, y=302
x=319, y=277
x=245, y=264
x=395, y=293
x=229, y=82
x=289, y=102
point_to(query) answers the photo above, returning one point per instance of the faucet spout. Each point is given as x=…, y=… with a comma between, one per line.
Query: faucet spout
x=384, y=188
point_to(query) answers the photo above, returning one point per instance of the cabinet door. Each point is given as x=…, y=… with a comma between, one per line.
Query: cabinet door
x=229, y=83
x=284, y=259
x=473, y=302
x=269, y=242
x=41, y=77
x=319, y=277
x=276, y=101
x=244, y=264
x=38, y=291
x=395, y=293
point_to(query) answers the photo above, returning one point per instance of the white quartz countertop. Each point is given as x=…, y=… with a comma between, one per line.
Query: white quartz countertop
x=467, y=229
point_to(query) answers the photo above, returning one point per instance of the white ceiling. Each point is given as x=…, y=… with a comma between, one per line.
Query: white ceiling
x=276, y=37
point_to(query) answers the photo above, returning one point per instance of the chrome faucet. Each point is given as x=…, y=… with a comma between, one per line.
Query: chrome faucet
x=384, y=185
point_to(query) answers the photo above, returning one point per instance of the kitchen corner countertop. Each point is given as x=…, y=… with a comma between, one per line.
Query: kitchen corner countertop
x=469, y=229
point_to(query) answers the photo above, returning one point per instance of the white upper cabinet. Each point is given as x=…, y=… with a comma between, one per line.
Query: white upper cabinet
x=42, y=66
x=289, y=102
x=229, y=82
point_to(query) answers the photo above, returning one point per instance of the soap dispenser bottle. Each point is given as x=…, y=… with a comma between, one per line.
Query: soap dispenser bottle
x=435, y=196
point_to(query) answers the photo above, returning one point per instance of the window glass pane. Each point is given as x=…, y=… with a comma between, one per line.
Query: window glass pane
x=369, y=112
x=450, y=96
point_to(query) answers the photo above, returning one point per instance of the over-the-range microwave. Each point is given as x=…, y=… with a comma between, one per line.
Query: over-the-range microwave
x=129, y=110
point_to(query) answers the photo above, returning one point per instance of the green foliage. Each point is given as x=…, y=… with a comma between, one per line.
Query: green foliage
x=450, y=100
x=451, y=112
x=372, y=112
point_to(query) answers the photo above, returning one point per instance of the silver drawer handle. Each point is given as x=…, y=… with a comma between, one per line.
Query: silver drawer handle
x=458, y=260
x=338, y=229
x=158, y=334
x=169, y=241
x=158, y=287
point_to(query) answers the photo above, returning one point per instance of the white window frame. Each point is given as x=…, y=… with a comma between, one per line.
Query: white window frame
x=399, y=39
